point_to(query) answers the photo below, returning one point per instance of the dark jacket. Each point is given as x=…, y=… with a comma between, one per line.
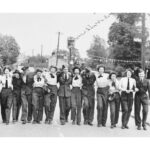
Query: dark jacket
x=64, y=89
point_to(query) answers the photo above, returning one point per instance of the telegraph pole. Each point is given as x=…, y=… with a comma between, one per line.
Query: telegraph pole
x=57, y=48
x=143, y=42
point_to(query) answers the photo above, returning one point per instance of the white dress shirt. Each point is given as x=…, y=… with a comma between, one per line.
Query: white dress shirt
x=50, y=80
x=77, y=82
x=124, y=83
x=37, y=83
x=103, y=81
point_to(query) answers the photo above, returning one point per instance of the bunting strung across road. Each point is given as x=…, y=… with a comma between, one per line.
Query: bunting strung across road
x=109, y=60
x=90, y=27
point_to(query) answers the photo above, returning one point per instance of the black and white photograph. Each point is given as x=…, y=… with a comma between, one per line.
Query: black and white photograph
x=75, y=74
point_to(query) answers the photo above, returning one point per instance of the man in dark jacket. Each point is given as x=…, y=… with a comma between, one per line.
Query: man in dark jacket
x=141, y=99
x=64, y=94
x=17, y=83
x=88, y=96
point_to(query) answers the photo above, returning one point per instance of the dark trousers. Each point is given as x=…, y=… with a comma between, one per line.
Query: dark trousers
x=50, y=103
x=37, y=101
x=141, y=100
x=114, y=109
x=88, y=108
x=64, y=105
x=16, y=103
x=6, y=103
x=76, y=104
x=126, y=103
x=27, y=107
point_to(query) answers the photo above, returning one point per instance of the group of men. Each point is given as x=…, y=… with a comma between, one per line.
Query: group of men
x=76, y=90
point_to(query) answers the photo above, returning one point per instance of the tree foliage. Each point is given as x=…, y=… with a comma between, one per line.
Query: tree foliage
x=123, y=36
x=97, y=49
x=9, y=50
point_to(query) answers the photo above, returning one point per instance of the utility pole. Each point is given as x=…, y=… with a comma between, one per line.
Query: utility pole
x=41, y=52
x=57, y=48
x=143, y=42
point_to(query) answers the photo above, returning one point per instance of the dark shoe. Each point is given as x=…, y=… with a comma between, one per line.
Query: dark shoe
x=34, y=122
x=50, y=122
x=99, y=125
x=138, y=128
x=24, y=122
x=78, y=123
x=144, y=128
x=123, y=127
x=126, y=127
x=104, y=125
x=62, y=122
x=66, y=120
x=115, y=126
x=85, y=122
x=7, y=122
x=90, y=123
x=73, y=122
x=46, y=122
x=112, y=126
x=4, y=121
x=38, y=122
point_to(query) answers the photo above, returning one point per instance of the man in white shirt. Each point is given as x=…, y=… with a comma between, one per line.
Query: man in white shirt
x=127, y=87
x=102, y=94
x=50, y=94
x=76, y=103
x=6, y=95
x=38, y=97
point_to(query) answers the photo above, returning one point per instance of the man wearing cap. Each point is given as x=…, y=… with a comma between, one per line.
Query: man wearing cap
x=26, y=95
x=6, y=95
x=127, y=86
x=88, y=95
x=38, y=96
x=141, y=99
x=102, y=84
x=17, y=83
x=64, y=93
x=114, y=99
x=50, y=94
x=76, y=102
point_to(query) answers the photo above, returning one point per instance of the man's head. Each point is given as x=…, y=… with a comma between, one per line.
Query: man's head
x=65, y=69
x=53, y=69
x=129, y=73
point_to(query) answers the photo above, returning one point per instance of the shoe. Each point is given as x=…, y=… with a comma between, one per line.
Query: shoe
x=115, y=126
x=144, y=128
x=34, y=122
x=46, y=122
x=66, y=120
x=14, y=121
x=62, y=122
x=50, y=122
x=104, y=125
x=24, y=122
x=126, y=127
x=4, y=121
x=85, y=122
x=73, y=122
x=78, y=123
x=112, y=126
x=38, y=122
x=123, y=127
x=99, y=125
x=7, y=122
x=29, y=121
x=90, y=123
x=138, y=128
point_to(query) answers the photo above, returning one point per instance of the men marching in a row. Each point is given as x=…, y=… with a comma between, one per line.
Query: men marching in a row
x=35, y=91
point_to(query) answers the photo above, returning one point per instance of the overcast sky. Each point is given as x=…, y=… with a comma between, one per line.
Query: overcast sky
x=32, y=30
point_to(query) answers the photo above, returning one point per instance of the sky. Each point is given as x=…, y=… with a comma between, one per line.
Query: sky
x=33, y=30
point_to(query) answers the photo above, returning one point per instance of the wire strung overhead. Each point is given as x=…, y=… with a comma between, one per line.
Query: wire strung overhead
x=91, y=27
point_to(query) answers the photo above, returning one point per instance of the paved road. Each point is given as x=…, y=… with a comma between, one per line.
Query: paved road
x=69, y=130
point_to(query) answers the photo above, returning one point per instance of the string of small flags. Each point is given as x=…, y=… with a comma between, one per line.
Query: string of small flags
x=91, y=27
x=109, y=60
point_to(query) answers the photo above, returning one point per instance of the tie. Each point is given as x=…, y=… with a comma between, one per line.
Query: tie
x=100, y=76
x=6, y=84
x=52, y=76
x=113, y=84
x=128, y=84
x=76, y=78
x=65, y=76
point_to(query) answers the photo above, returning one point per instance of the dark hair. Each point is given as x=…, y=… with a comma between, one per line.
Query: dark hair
x=76, y=68
x=112, y=74
x=100, y=66
x=53, y=67
x=6, y=68
x=130, y=70
x=38, y=70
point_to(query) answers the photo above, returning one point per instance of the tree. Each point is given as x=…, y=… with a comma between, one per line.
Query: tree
x=9, y=50
x=96, y=50
x=123, y=36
